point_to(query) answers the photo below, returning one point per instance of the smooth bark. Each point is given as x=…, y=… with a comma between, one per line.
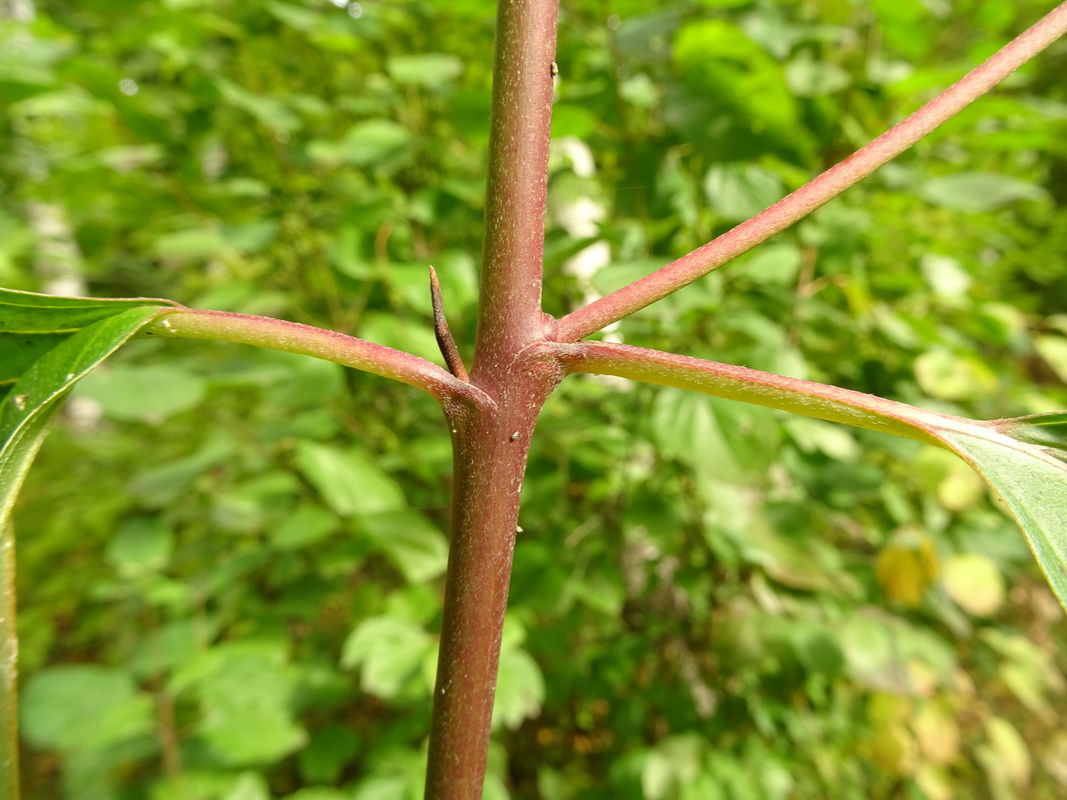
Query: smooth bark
x=490, y=444
x=293, y=337
x=490, y=448
x=509, y=308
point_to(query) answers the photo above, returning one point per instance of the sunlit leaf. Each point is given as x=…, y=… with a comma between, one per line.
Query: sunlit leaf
x=83, y=707
x=425, y=69
x=975, y=583
x=349, y=480
x=520, y=688
x=388, y=652
x=417, y=548
x=1030, y=479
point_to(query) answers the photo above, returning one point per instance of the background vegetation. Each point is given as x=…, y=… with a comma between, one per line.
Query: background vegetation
x=230, y=559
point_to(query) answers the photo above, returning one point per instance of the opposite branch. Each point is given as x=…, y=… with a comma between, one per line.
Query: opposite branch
x=292, y=337
x=817, y=192
x=509, y=311
x=797, y=396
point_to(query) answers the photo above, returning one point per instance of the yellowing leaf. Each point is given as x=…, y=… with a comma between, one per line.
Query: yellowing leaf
x=1053, y=349
x=1011, y=751
x=937, y=734
x=906, y=567
x=953, y=376
x=893, y=749
x=884, y=708
x=975, y=583
x=961, y=489
x=901, y=575
x=935, y=783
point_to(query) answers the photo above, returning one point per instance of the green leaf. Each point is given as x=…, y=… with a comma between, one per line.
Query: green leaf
x=244, y=689
x=379, y=143
x=349, y=480
x=318, y=793
x=1053, y=349
x=739, y=191
x=388, y=652
x=148, y=393
x=69, y=336
x=193, y=244
x=326, y=755
x=740, y=437
x=414, y=544
x=306, y=525
x=83, y=707
x=520, y=688
x=270, y=112
x=47, y=344
x=1047, y=430
x=431, y=70
x=978, y=191
x=954, y=376
x=1029, y=478
x=808, y=77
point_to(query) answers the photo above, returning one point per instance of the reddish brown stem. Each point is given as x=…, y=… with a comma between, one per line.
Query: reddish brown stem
x=509, y=310
x=292, y=337
x=490, y=447
x=491, y=441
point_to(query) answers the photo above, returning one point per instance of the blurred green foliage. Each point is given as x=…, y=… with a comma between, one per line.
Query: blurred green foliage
x=230, y=560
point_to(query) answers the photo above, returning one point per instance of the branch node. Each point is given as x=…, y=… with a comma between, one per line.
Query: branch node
x=443, y=334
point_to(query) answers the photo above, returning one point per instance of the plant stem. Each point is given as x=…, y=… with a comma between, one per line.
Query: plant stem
x=797, y=396
x=9, y=737
x=825, y=187
x=490, y=443
x=509, y=308
x=490, y=448
x=292, y=337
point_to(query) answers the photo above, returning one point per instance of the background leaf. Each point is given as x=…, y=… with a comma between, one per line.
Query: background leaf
x=972, y=191
x=83, y=707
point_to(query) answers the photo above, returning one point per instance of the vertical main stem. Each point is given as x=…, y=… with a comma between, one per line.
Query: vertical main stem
x=491, y=439
x=509, y=309
x=490, y=449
